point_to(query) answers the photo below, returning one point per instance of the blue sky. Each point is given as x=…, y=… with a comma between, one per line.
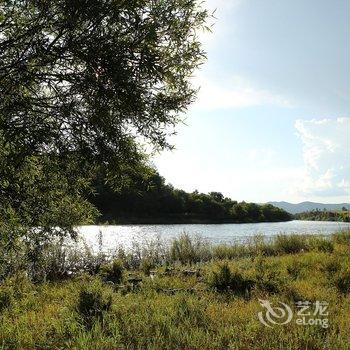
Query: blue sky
x=271, y=121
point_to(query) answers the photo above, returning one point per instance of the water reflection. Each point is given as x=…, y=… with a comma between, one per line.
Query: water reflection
x=127, y=235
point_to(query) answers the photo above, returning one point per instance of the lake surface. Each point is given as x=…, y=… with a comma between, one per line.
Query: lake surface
x=127, y=235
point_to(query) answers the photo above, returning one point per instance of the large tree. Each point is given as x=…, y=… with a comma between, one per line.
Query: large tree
x=82, y=84
x=89, y=75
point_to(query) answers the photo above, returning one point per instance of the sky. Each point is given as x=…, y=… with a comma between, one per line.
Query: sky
x=272, y=118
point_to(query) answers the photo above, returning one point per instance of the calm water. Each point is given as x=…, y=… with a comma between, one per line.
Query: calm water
x=126, y=235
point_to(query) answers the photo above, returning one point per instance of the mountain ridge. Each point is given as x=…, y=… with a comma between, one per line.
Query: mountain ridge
x=295, y=208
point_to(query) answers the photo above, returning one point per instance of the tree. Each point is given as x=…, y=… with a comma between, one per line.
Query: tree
x=82, y=84
x=217, y=196
x=88, y=76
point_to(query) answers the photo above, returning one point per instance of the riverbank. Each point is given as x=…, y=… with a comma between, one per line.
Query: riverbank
x=184, y=220
x=188, y=296
x=324, y=215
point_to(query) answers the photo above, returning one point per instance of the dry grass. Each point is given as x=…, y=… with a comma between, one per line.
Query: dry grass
x=176, y=309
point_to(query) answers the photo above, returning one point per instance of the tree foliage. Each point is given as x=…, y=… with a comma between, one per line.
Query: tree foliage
x=152, y=200
x=83, y=83
x=88, y=75
x=324, y=215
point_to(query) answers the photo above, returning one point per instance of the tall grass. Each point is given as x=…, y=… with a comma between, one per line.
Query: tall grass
x=60, y=260
x=214, y=308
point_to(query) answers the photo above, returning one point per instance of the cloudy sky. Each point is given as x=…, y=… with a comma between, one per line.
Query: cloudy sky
x=272, y=119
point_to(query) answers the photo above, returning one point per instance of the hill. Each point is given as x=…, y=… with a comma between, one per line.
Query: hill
x=308, y=206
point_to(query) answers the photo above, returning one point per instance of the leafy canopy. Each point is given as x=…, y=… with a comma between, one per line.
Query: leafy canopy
x=89, y=76
x=82, y=84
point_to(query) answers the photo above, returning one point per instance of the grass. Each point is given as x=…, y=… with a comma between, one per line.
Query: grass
x=209, y=301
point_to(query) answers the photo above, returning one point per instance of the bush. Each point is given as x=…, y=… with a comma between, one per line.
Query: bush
x=221, y=280
x=229, y=252
x=258, y=245
x=226, y=280
x=331, y=266
x=94, y=299
x=113, y=271
x=14, y=287
x=6, y=297
x=342, y=237
x=322, y=244
x=19, y=283
x=255, y=246
x=183, y=249
x=291, y=244
x=342, y=280
x=147, y=265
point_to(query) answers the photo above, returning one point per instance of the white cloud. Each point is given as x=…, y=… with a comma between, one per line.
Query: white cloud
x=239, y=93
x=326, y=152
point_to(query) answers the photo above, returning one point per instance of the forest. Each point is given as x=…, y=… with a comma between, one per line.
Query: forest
x=151, y=200
x=324, y=215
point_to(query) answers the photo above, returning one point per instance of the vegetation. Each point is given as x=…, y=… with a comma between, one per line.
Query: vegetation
x=209, y=301
x=324, y=215
x=83, y=84
x=151, y=200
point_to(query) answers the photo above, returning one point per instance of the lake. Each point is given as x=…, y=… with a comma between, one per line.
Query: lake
x=127, y=235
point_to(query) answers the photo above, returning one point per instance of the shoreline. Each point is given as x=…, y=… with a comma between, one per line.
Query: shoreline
x=166, y=221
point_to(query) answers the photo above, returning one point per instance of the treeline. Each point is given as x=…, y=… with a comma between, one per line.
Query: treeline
x=151, y=200
x=324, y=215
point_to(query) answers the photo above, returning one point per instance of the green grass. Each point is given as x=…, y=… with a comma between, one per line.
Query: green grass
x=214, y=308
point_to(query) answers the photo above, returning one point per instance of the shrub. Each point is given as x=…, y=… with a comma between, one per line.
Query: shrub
x=229, y=252
x=221, y=280
x=147, y=265
x=6, y=297
x=226, y=280
x=290, y=244
x=318, y=243
x=182, y=249
x=322, y=244
x=342, y=280
x=94, y=299
x=55, y=263
x=19, y=283
x=258, y=245
x=342, y=237
x=240, y=285
x=113, y=271
x=331, y=266
x=14, y=287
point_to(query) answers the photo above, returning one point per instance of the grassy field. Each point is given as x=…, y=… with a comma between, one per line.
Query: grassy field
x=200, y=298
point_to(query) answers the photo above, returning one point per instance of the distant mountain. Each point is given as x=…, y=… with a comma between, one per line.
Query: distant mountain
x=307, y=206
